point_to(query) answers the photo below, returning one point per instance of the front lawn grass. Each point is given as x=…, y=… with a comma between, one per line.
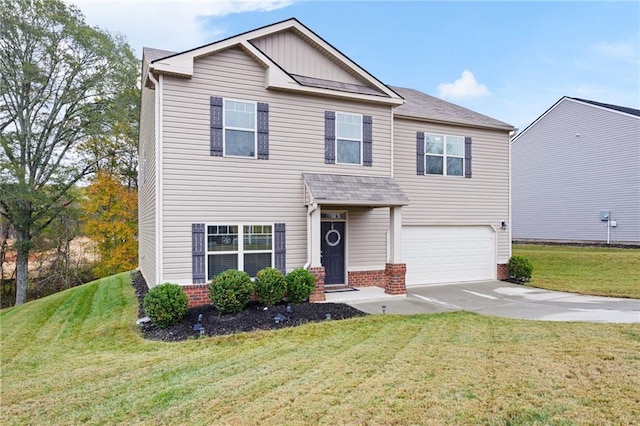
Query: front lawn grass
x=76, y=357
x=602, y=271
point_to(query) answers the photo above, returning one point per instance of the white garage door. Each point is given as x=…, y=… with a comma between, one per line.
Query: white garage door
x=448, y=254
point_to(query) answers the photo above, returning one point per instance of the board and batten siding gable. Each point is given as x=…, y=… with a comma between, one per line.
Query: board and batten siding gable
x=574, y=162
x=146, y=187
x=297, y=56
x=199, y=188
x=482, y=199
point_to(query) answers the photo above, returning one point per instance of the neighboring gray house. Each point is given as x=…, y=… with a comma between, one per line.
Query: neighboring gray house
x=578, y=159
x=272, y=148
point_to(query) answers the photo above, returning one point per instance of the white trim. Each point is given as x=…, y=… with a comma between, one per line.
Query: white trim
x=224, y=128
x=349, y=139
x=366, y=268
x=159, y=181
x=240, y=252
x=392, y=142
x=181, y=64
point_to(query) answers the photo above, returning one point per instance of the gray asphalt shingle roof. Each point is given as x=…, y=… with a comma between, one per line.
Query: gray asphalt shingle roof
x=422, y=106
x=354, y=190
x=626, y=110
x=153, y=54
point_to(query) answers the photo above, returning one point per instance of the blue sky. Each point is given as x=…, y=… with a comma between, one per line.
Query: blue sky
x=508, y=60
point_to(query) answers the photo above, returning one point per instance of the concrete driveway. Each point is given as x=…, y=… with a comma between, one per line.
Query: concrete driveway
x=500, y=299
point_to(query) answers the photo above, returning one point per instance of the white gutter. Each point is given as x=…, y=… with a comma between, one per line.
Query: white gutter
x=392, y=130
x=310, y=209
x=158, y=176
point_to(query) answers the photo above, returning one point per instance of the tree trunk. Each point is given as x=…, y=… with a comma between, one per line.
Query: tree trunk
x=22, y=267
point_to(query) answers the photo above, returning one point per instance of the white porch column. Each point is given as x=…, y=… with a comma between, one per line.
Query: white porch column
x=314, y=235
x=395, y=234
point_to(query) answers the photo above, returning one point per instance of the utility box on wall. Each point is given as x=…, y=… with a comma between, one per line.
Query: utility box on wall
x=605, y=215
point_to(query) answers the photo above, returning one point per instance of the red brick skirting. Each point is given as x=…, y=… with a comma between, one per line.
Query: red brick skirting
x=318, y=292
x=374, y=278
x=198, y=294
x=503, y=271
x=395, y=282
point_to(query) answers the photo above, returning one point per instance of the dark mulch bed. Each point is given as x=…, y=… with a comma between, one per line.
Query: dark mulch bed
x=254, y=317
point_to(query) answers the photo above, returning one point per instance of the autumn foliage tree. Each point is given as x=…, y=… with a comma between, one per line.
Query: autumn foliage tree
x=111, y=222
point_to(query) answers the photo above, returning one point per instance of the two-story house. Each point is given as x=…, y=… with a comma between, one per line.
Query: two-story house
x=273, y=148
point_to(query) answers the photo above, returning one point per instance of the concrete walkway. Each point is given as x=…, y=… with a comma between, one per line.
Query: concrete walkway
x=494, y=298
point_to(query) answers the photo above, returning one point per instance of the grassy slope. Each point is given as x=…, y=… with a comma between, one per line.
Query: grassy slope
x=599, y=271
x=75, y=357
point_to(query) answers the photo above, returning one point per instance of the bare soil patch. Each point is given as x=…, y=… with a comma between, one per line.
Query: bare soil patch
x=254, y=317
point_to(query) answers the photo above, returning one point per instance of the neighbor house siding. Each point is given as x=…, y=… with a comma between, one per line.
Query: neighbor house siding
x=199, y=188
x=482, y=199
x=147, y=187
x=298, y=56
x=574, y=162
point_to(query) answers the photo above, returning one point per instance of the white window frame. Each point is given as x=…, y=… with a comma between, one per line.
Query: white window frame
x=349, y=139
x=445, y=156
x=240, y=252
x=243, y=129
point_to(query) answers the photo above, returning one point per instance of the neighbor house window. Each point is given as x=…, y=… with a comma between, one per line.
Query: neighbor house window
x=349, y=138
x=247, y=248
x=444, y=155
x=239, y=128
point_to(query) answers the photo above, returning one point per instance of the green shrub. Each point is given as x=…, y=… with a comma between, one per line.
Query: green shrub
x=230, y=291
x=520, y=268
x=300, y=284
x=270, y=286
x=166, y=304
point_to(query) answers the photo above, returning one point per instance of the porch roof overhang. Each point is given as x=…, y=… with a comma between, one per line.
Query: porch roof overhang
x=346, y=190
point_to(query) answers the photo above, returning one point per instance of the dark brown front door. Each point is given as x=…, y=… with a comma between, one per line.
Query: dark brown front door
x=333, y=240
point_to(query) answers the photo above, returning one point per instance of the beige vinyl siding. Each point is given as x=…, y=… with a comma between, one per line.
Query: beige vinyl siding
x=451, y=200
x=298, y=56
x=199, y=188
x=574, y=162
x=146, y=188
x=367, y=238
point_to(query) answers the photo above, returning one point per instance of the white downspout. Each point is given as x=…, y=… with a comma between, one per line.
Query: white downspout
x=310, y=209
x=158, y=176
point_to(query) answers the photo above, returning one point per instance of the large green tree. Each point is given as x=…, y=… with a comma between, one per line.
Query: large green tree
x=61, y=86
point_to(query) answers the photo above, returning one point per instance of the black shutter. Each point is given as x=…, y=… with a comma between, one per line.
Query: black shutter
x=216, y=126
x=467, y=157
x=263, y=131
x=198, y=253
x=367, y=140
x=420, y=153
x=280, y=245
x=329, y=137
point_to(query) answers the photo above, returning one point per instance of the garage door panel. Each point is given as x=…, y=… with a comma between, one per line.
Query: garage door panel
x=439, y=254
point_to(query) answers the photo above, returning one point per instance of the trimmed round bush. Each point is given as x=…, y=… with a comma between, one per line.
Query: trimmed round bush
x=300, y=285
x=166, y=304
x=230, y=291
x=270, y=286
x=520, y=268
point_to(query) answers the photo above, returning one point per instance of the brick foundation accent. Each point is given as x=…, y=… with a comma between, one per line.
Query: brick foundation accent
x=318, y=292
x=374, y=278
x=395, y=278
x=503, y=271
x=198, y=294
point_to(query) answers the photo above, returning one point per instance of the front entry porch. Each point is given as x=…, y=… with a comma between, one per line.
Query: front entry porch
x=329, y=199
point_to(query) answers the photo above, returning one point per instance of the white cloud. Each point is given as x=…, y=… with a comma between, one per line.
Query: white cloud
x=622, y=51
x=465, y=87
x=167, y=24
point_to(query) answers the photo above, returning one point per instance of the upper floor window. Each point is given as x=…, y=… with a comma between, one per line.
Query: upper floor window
x=239, y=128
x=444, y=155
x=348, y=138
